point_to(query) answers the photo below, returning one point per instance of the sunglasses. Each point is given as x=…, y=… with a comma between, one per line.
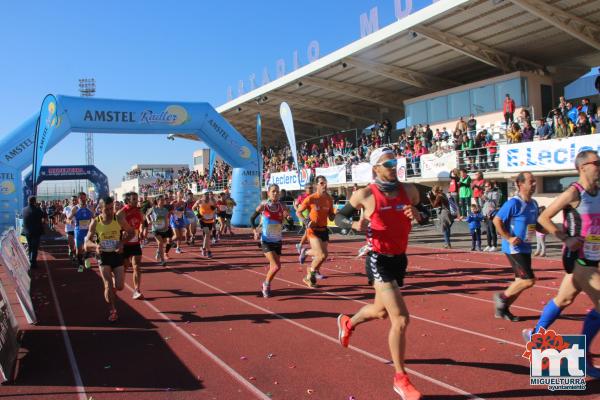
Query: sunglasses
x=595, y=162
x=389, y=163
x=322, y=183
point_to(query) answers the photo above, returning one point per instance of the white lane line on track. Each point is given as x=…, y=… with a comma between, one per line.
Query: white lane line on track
x=411, y=315
x=321, y=334
x=463, y=251
x=417, y=286
x=536, y=286
x=253, y=389
x=79, y=387
x=496, y=339
x=478, y=262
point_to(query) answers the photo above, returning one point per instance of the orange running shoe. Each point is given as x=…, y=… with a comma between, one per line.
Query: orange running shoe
x=405, y=389
x=343, y=332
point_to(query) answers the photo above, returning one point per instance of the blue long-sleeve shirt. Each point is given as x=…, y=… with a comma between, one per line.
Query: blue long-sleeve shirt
x=474, y=220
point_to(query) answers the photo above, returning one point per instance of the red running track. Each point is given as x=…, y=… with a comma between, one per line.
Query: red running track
x=204, y=332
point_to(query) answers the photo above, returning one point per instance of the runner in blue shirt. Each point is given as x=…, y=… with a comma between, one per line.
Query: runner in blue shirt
x=81, y=216
x=516, y=223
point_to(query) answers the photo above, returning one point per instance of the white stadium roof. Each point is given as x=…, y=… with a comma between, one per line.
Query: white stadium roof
x=447, y=44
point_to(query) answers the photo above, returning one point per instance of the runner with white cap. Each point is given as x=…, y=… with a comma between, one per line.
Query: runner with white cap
x=388, y=209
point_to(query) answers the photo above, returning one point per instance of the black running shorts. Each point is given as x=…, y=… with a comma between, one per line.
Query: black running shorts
x=165, y=234
x=322, y=234
x=132, y=250
x=111, y=259
x=209, y=225
x=521, y=265
x=268, y=247
x=569, y=258
x=386, y=268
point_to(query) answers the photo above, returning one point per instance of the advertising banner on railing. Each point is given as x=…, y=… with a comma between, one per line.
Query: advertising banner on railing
x=289, y=180
x=14, y=260
x=9, y=346
x=334, y=175
x=437, y=166
x=545, y=155
x=362, y=173
x=401, y=169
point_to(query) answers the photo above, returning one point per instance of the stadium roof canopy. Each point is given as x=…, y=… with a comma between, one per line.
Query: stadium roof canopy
x=447, y=44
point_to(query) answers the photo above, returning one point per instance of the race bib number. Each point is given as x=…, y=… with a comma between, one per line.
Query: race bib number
x=109, y=245
x=159, y=223
x=530, y=237
x=208, y=217
x=135, y=238
x=189, y=214
x=591, y=248
x=274, y=231
x=84, y=224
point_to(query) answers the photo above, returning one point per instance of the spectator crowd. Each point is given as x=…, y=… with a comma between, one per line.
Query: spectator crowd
x=476, y=149
x=185, y=179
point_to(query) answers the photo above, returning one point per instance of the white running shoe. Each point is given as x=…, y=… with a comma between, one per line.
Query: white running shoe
x=487, y=248
x=319, y=276
x=266, y=290
x=178, y=250
x=137, y=295
x=493, y=249
x=298, y=247
x=526, y=334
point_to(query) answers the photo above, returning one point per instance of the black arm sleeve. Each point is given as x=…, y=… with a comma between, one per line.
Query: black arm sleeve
x=253, y=218
x=424, y=212
x=343, y=218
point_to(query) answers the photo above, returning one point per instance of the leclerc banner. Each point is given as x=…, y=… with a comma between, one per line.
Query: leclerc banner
x=14, y=260
x=362, y=173
x=9, y=346
x=289, y=180
x=545, y=155
x=334, y=175
x=434, y=166
x=47, y=122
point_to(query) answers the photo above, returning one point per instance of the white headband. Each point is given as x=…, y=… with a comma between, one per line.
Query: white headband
x=377, y=154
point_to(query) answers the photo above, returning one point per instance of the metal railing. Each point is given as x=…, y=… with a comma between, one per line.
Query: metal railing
x=480, y=159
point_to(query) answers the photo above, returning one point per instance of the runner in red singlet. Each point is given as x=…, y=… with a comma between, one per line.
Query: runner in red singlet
x=388, y=208
x=130, y=217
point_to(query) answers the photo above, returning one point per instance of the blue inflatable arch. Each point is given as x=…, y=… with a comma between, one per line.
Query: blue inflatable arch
x=67, y=173
x=78, y=114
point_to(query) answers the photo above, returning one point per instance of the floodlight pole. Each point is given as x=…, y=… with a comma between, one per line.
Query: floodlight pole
x=87, y=88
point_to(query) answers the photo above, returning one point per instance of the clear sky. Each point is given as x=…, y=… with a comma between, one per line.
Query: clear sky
x=186, y=50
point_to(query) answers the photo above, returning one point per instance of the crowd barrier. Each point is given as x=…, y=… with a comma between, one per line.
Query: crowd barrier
x=537, y=155
x=15, y=277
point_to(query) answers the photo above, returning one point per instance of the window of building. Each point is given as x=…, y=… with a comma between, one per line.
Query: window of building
x=437, y=109
x=557, y=184
x=514, y=88
x=417, y=112
x=198, y=160
x=458, y=105
x=482, y=100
